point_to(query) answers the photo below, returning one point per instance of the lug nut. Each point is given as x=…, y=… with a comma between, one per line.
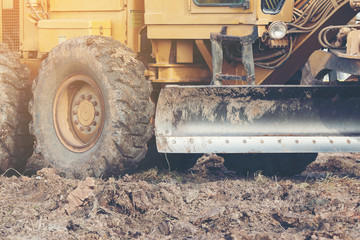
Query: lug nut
x=97, y=113
x=95, y=103
x=77, y=102
x=88, y=129
x=94, y=123
x=89, y=97
x=82, y=96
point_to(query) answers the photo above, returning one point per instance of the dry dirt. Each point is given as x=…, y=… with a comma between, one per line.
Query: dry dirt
x=321, y=203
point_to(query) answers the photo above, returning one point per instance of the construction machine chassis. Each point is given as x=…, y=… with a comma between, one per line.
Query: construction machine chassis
x=92, y=107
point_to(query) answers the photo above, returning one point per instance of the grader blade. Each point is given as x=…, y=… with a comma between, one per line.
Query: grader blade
x=253, y=119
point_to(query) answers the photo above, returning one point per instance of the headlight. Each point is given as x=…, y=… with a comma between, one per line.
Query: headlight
x=277, y=30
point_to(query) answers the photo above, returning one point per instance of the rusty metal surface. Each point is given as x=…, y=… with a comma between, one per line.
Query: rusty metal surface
x=258, y=119
x=343, y=54
x=247, y=58
x=321, y=63
x=353, y=43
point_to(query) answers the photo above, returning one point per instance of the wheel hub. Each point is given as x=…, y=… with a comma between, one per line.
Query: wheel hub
x=85, y=113
x=78, y=113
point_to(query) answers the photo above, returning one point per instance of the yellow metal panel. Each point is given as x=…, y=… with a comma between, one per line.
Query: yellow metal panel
x=161, y=50
x=135, y=21
x=194, y=31
x=205, y=53
x=7, y=4
x=197, y=9
x=126, y=19
x=179, y=12
x=154, y=6
x=182, y=19
x=1, y=30
x=76, y=10
x=153, y=11
x=184, y=51
x=86, y=5
x=118, y=21
x=73, y=23
x=30, y=32
x=180, y=73
x=54, y=32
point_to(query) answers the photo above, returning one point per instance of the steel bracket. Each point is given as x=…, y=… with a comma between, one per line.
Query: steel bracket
x=246, y=56
x=320, y=63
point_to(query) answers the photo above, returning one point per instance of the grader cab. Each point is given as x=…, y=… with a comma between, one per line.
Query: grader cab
x=217, y=70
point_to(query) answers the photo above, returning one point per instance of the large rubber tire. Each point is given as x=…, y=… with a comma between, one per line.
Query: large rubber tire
x=122, y=143
x=15, y=139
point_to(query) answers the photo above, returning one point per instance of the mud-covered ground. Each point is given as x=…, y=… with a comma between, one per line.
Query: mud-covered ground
x=321, y=203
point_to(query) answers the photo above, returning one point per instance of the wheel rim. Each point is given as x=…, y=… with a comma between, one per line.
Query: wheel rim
x=78, y=113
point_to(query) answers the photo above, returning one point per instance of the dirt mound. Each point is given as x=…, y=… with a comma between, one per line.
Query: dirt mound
x=155, y=205
x=336, y=163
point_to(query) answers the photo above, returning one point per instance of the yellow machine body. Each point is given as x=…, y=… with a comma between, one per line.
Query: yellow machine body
x=35, y=34
x=178, y=30
x=209, y=42
x=67, y=19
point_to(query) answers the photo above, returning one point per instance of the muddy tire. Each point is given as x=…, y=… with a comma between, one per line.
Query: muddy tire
x=15, y=140
x=91, y=108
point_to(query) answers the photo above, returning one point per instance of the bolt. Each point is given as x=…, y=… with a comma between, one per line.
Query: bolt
x=261, y=141
x=314, y=141
x=348, y=141
x=94, y=123
x=227, y=141
x=95, y=103
x=81, y=129
x=89, y=97
x=244, y=141
x=97, y=113
x=331, y=141
x=88, y=129
x=77, y=102
x=82, y=96
x=296, y=141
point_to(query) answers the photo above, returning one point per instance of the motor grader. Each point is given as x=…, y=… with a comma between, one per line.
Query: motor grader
x=217, y=70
